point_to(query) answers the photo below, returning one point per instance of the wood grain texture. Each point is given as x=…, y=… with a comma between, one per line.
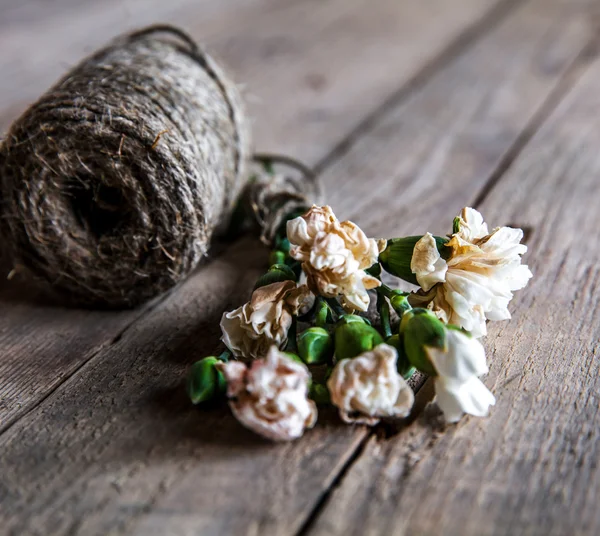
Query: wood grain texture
x=311, y=70
x=274, y=45
x=118, y=449
x=532, y=466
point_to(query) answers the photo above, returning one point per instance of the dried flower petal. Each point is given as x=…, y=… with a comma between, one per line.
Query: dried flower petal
x=334, y=256
x=270, y=396
x=250, y=330
x=368, y=387
x=478, y=279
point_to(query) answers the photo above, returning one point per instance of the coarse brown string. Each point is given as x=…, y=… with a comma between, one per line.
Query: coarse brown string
x=114, y=181
x=275, y=196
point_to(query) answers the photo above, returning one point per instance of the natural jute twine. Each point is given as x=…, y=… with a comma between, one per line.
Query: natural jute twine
x=113, y=183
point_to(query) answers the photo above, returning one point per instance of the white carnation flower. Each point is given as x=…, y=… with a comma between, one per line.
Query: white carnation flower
x=270, y=397
x=250, y=330
x=477, y=281
x=334, y=256
x=368, y=387
x=457, y=386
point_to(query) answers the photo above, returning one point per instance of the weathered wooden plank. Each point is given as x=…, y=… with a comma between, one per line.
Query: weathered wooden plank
x=311, y=70
x=271, y=41
x=532, y=466
x=118, y=449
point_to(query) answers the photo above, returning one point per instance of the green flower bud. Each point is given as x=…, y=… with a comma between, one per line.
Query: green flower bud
x=277, y=257
x=275, y=274
x=322, y=313
x=354, y=338
x=349, y=319
x=404, y=366
x=205, y=381
x=396, y=257
x=420, y=329
x=399, y=303
x=315, y=346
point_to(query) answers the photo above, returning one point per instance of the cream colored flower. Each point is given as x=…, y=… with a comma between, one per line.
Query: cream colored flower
x=478, y=279
x=457, y=386
x=334, y=256
x=270, y=396
x=250, y=330
x=368, y=387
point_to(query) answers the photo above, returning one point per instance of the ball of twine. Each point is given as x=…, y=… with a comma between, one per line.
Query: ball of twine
x=112, y=184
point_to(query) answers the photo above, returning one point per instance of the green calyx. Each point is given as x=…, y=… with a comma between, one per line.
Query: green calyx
x=276, y=274
x=315, y=346
x=421, y=330
x=205, y=382
x=354, y=337
x=396, y=257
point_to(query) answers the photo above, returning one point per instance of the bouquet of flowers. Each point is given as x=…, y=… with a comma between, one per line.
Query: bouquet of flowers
x=308, y=317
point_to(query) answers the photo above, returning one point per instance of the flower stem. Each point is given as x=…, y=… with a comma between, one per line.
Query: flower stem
x=225, y=356
x=383, y=307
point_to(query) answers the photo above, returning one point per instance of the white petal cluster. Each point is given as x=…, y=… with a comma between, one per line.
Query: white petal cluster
x=270, y=396
x=334, y=256
x=458, y=388
x=249, y=331
x=368, y=387
x=477, y=281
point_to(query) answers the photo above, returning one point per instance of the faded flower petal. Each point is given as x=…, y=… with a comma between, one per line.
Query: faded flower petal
x=472, y=225
x=334, y=256
x=427, y=263
x=250, y=330
x=271, y=396
x=457, y=386
x=368, y=387
x=477, y=281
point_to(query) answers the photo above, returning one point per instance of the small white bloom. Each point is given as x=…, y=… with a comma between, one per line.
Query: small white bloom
x=457, y=386
x=250, y=330
x=334, y=256
x=368, y=387
x=477, y=281
x=270, y=397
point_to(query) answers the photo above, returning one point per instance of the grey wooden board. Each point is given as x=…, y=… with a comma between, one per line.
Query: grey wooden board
x=42, y=345
x=532, y=466
x=117, y=448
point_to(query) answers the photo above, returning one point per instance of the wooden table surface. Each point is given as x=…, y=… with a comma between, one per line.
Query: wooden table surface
x=409, y=110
